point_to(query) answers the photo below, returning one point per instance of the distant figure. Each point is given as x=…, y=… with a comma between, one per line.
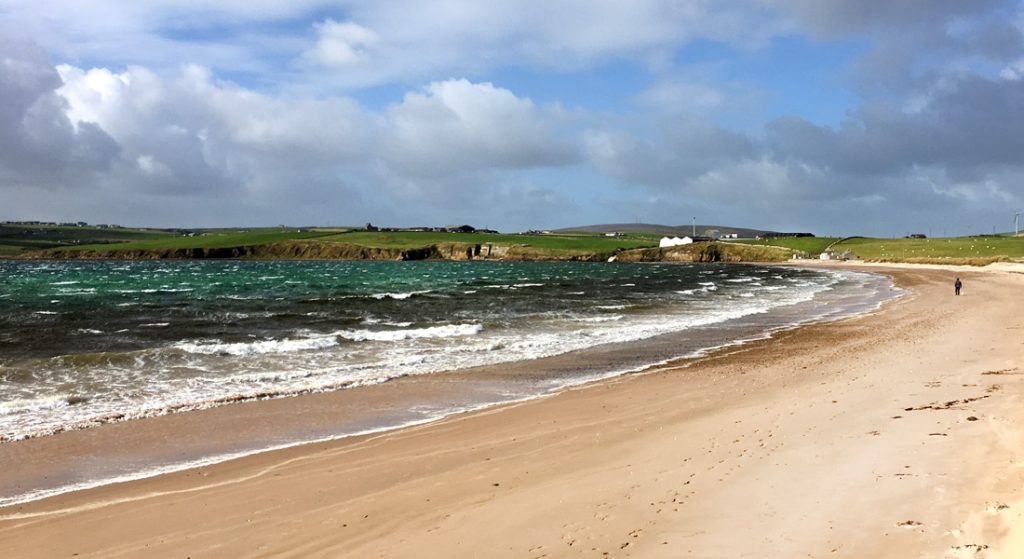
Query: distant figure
x=957, y=285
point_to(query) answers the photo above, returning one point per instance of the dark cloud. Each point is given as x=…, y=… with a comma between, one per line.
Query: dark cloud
x=965, y=126
x=39, y=145
x=844, y=17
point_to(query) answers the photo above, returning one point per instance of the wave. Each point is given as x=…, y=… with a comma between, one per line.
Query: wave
x=609, y=318
x=399, y=296
x=258, y=348
x=325, y=341
x=448, y=331
x=374, y=321
x=88, y=331
x=27, y=405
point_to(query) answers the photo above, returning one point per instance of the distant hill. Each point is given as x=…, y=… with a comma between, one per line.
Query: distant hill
x=662, y=230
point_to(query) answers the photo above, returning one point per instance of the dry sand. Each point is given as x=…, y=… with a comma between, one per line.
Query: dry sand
x=898, y=434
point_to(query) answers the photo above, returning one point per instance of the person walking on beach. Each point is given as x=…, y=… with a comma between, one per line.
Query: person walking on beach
x=957, y=285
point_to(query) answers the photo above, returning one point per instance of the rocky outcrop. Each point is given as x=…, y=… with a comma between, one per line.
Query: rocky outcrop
x=706, y=252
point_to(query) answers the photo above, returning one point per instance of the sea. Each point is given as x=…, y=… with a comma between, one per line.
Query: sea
x=84, y=343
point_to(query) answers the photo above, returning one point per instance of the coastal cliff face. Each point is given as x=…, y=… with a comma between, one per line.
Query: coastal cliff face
x=705, y=252
x=288, y=250
x=318, y=250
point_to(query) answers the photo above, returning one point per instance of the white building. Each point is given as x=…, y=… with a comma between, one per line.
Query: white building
x=674, y=241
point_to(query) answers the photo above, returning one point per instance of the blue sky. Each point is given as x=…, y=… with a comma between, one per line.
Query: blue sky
x=832, y=116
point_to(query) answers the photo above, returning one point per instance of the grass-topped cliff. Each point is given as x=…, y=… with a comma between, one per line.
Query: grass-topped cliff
x=69, y=241
x=332, y=244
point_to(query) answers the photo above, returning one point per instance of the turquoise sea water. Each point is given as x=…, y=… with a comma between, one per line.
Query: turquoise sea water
x=88, y=342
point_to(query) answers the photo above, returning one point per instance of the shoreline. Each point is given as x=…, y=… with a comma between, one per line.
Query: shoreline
x=502, y=383
x=706, y=377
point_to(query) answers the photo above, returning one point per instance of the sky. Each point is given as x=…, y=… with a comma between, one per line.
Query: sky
x=837, y=117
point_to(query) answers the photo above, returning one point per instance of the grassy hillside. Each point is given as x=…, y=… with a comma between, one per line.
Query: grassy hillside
x=556, y=243
x=210, y=240
x=987, y=247
x=810, y=245
x=521, y=246
x=17, y=238
x=965, y=250
x=660, y=230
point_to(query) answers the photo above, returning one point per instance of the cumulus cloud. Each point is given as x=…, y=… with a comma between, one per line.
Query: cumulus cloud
x=456, y=124
x=186, y=111
x=189, y=139
x=190, y=134
x=342, y=43
x=39, y=145
x=956, y=150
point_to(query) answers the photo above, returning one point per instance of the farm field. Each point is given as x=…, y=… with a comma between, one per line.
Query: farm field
x=558, y=243
x=978, y=248
x=810, y=245
x=958, y=247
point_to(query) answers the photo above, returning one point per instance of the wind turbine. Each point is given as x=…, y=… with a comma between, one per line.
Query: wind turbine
x=1016, y=229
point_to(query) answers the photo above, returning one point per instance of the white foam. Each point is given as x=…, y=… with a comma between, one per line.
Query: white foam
x=609, y=318
x=25, y=405
x=260, y=347
x=88, y=331
x=399, y=296
x=449, y=331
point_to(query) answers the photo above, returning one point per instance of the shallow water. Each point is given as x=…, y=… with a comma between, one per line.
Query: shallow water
x=88, y=342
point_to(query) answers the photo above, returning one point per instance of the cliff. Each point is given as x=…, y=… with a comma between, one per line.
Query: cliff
x=706, y=252
x=319, y=250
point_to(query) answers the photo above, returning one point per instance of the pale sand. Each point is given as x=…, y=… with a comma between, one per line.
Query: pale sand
x=899, y=434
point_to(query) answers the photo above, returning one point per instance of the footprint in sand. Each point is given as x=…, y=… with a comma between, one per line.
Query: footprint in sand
x=968, y=551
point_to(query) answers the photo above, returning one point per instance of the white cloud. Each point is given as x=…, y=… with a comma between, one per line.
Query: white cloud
x=164, y=144
x=673, y=96
x=342, y=43
x=1014, y=71
x=141, y=105
x=457, y=125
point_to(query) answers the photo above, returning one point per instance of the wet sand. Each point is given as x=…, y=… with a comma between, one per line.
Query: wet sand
x=897, y=434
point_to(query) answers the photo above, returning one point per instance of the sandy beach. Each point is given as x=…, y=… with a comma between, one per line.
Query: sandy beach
x=894, y=434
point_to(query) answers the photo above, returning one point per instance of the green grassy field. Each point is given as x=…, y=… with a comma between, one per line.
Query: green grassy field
x=959, y=247
x=569, y=242
x=140, y=240
x=18, y=239
x=15, y=239
x=210, y=240
x=986, y=247
x=810, y=245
